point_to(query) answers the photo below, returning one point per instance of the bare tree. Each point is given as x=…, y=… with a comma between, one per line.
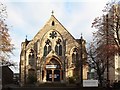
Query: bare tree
x=6, y=47
x=106, y=42
x=97, y=61
x=112, y=11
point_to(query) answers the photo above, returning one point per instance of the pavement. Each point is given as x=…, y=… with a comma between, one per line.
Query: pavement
x=17, y=87
x=41, y=88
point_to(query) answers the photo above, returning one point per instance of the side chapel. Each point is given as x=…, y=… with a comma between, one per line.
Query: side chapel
x=53, y=55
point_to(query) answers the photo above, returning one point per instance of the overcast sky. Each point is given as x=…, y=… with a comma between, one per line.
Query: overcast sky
x=27, y=17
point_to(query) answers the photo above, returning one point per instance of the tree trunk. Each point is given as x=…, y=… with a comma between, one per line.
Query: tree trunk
x=100, y=80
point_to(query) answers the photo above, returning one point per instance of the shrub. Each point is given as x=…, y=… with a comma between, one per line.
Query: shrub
x=71, y=80
x=31, y=79
x=116, y=84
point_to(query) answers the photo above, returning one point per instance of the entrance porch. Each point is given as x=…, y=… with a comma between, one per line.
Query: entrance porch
x=52, y=71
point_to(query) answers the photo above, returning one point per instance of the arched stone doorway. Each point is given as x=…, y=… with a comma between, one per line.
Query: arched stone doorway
x=52, y=71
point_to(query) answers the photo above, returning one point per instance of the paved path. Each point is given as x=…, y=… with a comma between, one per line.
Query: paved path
x=56, y=88
x=14, y=87
x=43, y=88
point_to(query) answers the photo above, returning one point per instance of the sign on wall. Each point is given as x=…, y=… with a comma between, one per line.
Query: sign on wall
x=51, y=66
x=90, y=83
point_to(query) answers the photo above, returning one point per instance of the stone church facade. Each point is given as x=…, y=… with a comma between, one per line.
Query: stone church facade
x=53, y=55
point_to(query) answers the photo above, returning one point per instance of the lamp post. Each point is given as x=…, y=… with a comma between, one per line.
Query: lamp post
x=81, y=61
x=107, y=50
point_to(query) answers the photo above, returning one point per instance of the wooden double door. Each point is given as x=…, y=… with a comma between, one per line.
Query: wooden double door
x=53, y=75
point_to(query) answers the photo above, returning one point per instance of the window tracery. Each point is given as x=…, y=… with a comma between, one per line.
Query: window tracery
x=75, y=55
x=53, y=34
x=47, y=47
x=31, y=58
x=58, y=47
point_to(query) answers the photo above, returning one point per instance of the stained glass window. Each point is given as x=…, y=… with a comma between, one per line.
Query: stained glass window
x=53, y=34
x=60, y=50
x=31, y=58
x=45, y=50
x=58, y=47
x=75, y=55
x=73, y=58
x=47, y=47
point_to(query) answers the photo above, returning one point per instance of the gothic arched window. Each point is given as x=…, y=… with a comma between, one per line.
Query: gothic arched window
x=45, y=50
x=31, y=58
x=58, y=47
x=75, y=56
x=60, y=50
x=31, y=72
x=47, y=47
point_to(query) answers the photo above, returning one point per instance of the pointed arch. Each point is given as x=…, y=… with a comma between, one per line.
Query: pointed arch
x=75, y=56
x=48, y=40
x=58, y=47
x=47, y=47
x=48, y=59
x=31, y=57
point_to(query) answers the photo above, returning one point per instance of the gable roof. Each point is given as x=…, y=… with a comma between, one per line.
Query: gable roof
x=48, y=26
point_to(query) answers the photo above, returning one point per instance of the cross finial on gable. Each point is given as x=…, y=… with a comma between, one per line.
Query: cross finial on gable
x=81, y=36
x=26, y=36
x=26, y=39
x=52, y=12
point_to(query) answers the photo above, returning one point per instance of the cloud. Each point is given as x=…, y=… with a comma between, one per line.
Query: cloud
x=15, y=17
x=53, y=1
x=80, y=19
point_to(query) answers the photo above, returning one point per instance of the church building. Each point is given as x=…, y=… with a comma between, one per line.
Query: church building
x=53, y=55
